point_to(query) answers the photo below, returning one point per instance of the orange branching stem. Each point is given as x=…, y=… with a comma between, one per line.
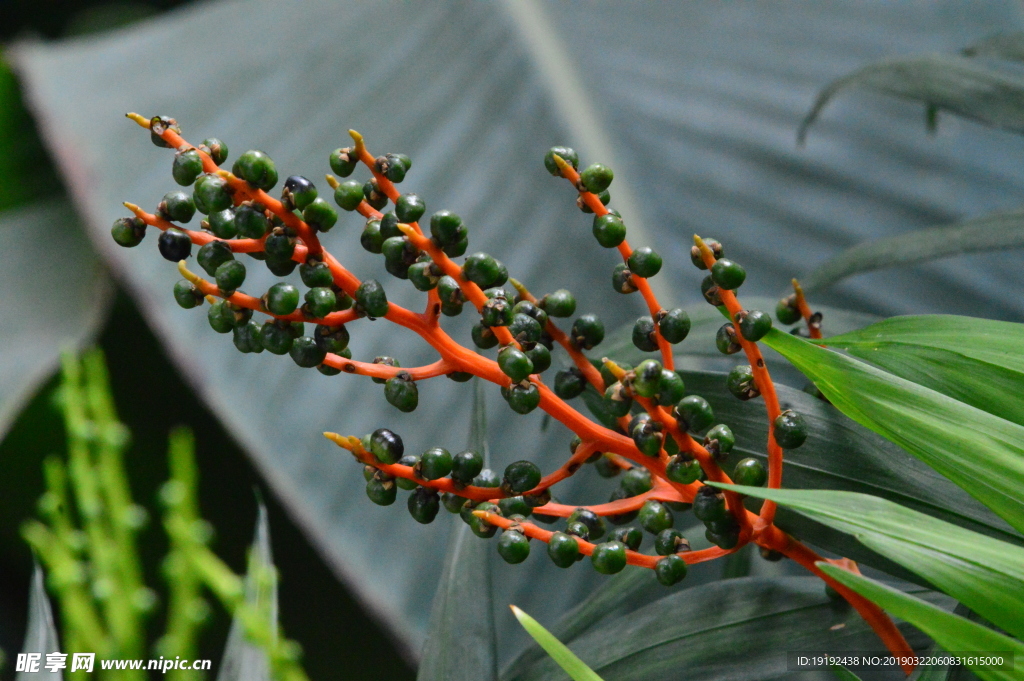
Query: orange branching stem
x=595, y=439
x=812, y=320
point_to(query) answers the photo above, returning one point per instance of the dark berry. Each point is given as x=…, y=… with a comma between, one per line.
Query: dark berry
x=655, y=516
x=741, y=384
x=595, y=527
x=386, y=446
x=541, y=358
x=423, y=505
x=466, y=466
x=521, y=476
x=563, y=549
x=229, y=276
x=695, y=256
x=257, y=169
x=371, y=299
x=644, y=338
x=632, y=537
x=790, y=430
x=452, y=503
x=750, y=472
x=560, y=303
x=128, y=232
x=644, y=262
x=401, y=392
x=596, y=177
x=587, y=331
x=251, y=221
x=609, y=230
x=609, y=558
x=675, y=325
x=709, y=505
x=710, y=291
x=174, y=245
x=569, y=383
x=306, y=352
x=724, y=540
x=331, y=338
x=276, y=338
x=187, y=166
x=670, y=541
x=211, y=194
x=670, y=570
x=754, y=324
x=565, y=153
x=682, y=469
x=298, y=192
x=622, y=279
x=523, y=398
x=319, y=215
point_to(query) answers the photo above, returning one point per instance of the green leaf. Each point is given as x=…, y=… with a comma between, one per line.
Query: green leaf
x=55, y=294
x=993, y=232
x=461, y=641
x=981, y=453
x=984, y=574
x=41, y=633
x=972, y=89
x=572, y=665
x=697, y=633
x=844, y=674
x=242, y=660
x=953, y=633
x=977, y=361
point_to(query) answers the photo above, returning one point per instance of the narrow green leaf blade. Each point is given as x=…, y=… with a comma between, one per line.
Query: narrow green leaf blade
x=992, y=232
x=984, y=574
x=953, y=633
x=977, y=361
x=972, y=89
x=565, y=658
x=981, y=453
x=461, y=641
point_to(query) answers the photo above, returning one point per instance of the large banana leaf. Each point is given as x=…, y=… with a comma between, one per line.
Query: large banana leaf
x=698, y=102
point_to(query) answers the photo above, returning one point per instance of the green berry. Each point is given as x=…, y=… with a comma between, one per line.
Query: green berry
x=682, y=469
x=695, y=255
x=655, y=516
x=452, y=503
x=513, y=547
x=569, y=383
x=344, y=161
x=514, y=363
x=724, y=540
x=675, y=325
x=282, y=299
x=176, y=206
x=487, y=478
x=221, y=317
x=247, y=337
x=709, y=505
x=609, y=558
x=750, y=472
x=386, y=445
x=481, y=527
x=298, y=192
x=524, y=328
x=319, y=215
x=587, y=331
x=316, y=273
x=382, y=493
x=373, y=195
x=644, y=262
x=577, y=529
x=647, y=438
x=636, y=481
x=787, y=311
x=632, y=537
x=483, y=270
x=447, y=228
x=320, y=302
x=541, y=358
x=591, y=521
x=174, y=245
x=741, y=384
x=754, y=324
x=521, y=476
x=616, y=400
x=221, y=223
x=523, y=398
x=187, y=166
x=423, y=275
x=187, y=295
x=669, y=541
x=229, y=276
x=648, y=378
x=466, y=466
x=157, y=126
x=560, y=303
x=348, y=195
x=410, y=460
x=609, y=230
x=483, y=337
x=563, y=549
x=722, y=434
x=670, y=570
x=604, y=197
x=129, y=232
x=331, y=338
x=710, y=291
x=671, y=388
x=695, y=413
x=401, y=392
x=531, y=310
x=409, y=208
x=497, y=312
x=622, y=279
x=257, y=169
x=727, y=274
x=790, y=430
x=725, y=340
x=251, y=221
x=516, y=505
x=213, y=255
x=217, y=150
x=276, y=338
x=423, y=505
x=279, y=246
x=306, y=352
x=566, y=154
x=211, y=194
x=644, y=338
x=596, y=177
x=371, y=299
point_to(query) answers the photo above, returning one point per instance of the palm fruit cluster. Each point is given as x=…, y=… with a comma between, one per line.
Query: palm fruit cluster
x=663, y=444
